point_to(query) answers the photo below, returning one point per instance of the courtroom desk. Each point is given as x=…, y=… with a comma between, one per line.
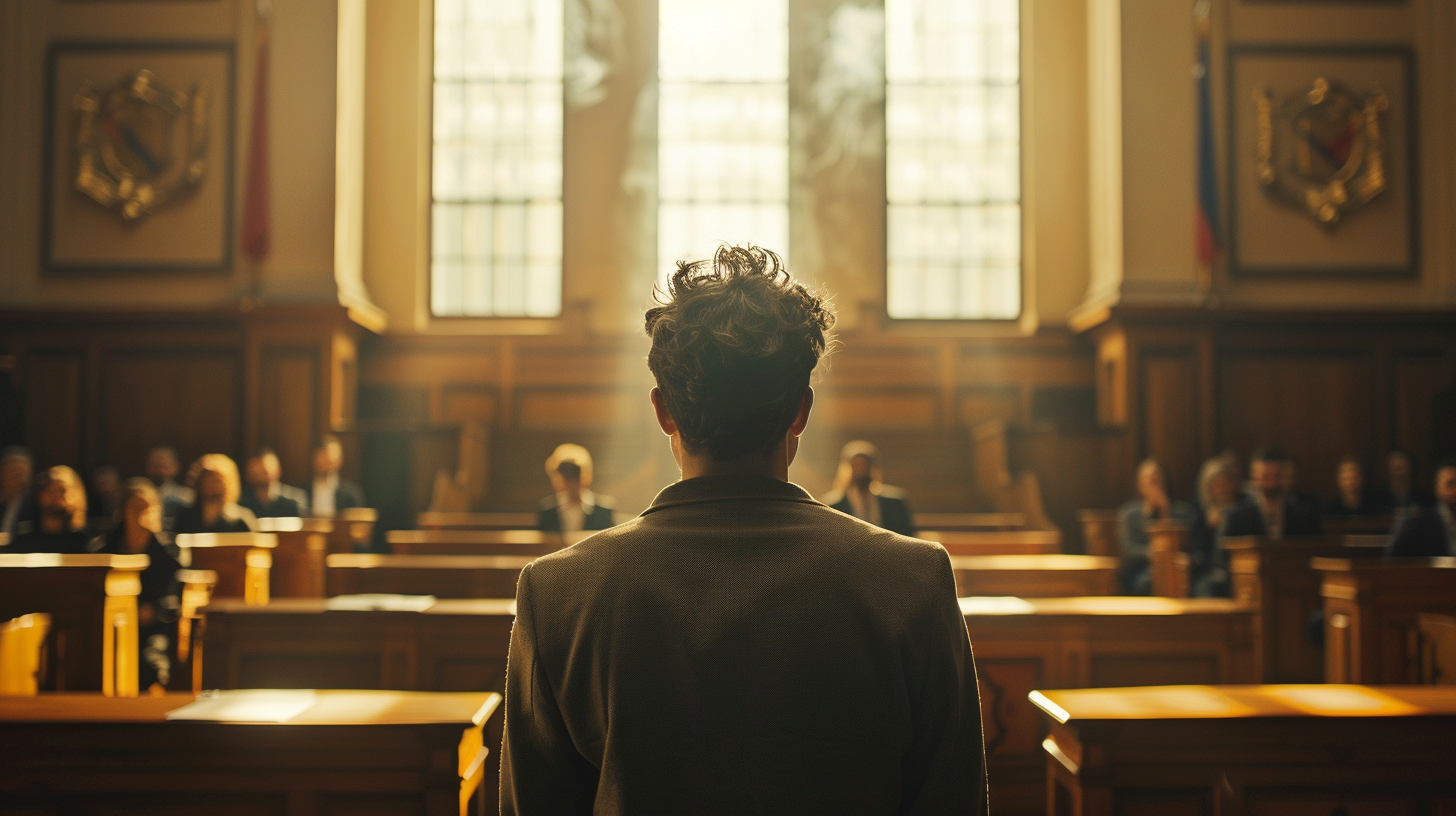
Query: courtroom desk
x=91, y=599
x=294, y=753
x=1099, y=532
x=437, y=520
x=1034, y=576
x=444, y=576
x=1275, y=578
x=1256, y=750
x=353, y=530
x=454, y=645
x=1007, y=542
x=242, y=561
x=1026, y=644
x=1436, y=637
x=1371, y=607
x=298, y=560
x=970, y=522
x=478, y=542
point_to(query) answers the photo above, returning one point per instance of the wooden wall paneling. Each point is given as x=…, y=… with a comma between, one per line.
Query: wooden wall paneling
x=1170, y=410
x=1416, y=380
x=885, y=408
x=54, y=402
x=189, y=399
x=571, y=408
x=288, y=407
x=1314, y=406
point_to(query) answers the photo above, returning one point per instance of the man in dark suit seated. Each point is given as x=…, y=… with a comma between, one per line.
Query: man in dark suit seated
x=331, y=491
x=573, y=507
x=860, y=491
x=1432, y=533
x=1354, y=498
x=740, y=647
x=265, y=494
x=17, y=504
x=1404, y=496
x=1272, y=513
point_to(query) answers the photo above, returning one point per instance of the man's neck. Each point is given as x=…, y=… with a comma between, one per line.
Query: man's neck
x=771, y=466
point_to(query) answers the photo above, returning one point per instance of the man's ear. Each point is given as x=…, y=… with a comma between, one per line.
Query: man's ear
x=664, y=419
x=802, y=418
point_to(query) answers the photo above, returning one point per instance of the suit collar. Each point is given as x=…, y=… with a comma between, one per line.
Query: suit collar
x=706, y=489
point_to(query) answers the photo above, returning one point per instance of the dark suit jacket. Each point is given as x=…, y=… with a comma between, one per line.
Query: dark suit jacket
x=1246, y=520
x=289, y=502
x=895, y=513
x=348, y=495
x=189, y=520
x=1420, y=536
x=34, y=541
x=1373, y=503
x=548, y=520
x=740, y=648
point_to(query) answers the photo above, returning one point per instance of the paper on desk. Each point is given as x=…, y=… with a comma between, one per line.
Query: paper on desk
x=381, y=601
x=247, y=706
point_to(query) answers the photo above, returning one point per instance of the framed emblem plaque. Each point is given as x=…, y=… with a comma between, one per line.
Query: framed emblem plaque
x=139, y=158
x=1322, y=147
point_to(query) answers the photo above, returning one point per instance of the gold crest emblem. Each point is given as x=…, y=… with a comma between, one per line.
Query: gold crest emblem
x=140, y=144
x=1321, y=150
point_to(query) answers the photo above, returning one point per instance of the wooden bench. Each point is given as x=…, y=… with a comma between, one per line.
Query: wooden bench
x=1168, y=557
x=1100, y=533
x=241, y=561
x=296, y=753
x=444, y=576
x=1010, y=542
x=1034, y=576
x=1025, y=644
x=353, y=530
x=298, y=560
x=970, y=522
x=477, y=542
x=92, y=602
x=1275, y=578
x=1249, y=750
x=1436, y=639
x=1371, y=609
x=437, y=520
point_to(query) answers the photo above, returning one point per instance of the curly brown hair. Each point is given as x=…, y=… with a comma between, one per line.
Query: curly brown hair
x=733, y=345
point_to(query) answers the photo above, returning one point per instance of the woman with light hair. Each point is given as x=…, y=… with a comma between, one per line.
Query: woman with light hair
x=1219, y=493
x=574, y=507
x=214, y=478
x=860, y=490
x=138, y=524
x=60, y=524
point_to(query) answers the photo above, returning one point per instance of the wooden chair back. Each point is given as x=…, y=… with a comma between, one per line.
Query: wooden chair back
x=22, y=654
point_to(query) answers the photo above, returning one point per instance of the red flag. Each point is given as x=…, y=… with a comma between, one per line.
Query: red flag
x=255, y=196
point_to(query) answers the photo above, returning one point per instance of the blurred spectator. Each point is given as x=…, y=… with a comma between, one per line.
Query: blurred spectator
x=266, y=495
x=1431, y=532
x=60, y=524
x=331, y=492
x=163, y=468
x=860, y=491
x=1405, y=498
x=574, y=507
x=1353, y=498
x=17, y=504
x=101, y=499
x=1272, y=513
x=1152, y=504
x=216, y=510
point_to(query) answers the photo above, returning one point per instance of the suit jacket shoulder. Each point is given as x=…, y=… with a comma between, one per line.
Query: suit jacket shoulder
x=1420, y=536
x=1244, y=520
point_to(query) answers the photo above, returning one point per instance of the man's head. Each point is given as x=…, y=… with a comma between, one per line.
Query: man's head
x=1399, y=470
x=1150, y=483
x=859, y=465
x=328, y=457
x=162, y=465
x=1267, y=472
x=261, y=471
x=569, y=468
x=733, y=346
x=1446, y=482
x=15, y=472
x=1350, y=477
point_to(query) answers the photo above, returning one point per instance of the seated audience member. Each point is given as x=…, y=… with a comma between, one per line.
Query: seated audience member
x=1152, y=504
x=265, y=494
x=1219, y=493
x=1404, y=496
x=102, y=496
x=1289, y=481
x=860, y=491
x=1432, y=532
x=1354, y=499
x=17, y=503
x=60, y=523
x=163, y=468
x=215, y=479
x=739, y=647
x=574, y=507
x=331, y=491
x=139, y=521
x=1272, y=513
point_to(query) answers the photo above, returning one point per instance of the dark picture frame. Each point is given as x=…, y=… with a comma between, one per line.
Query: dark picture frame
x=1268, y=238
x=205, y=215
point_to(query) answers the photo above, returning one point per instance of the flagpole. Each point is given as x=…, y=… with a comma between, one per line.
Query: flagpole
x=255, y=227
